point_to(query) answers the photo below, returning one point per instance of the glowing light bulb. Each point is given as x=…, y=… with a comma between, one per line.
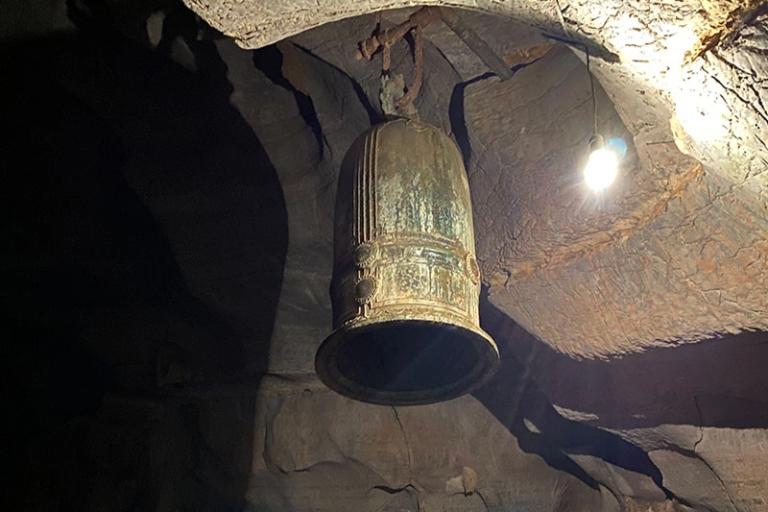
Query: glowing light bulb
x=601, y=169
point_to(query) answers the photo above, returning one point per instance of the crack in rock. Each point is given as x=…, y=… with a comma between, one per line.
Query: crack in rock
x=703, y=460
x=407, y=448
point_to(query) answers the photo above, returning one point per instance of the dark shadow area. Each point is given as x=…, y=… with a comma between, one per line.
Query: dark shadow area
x=415, y=357
x=269, y=60
x=516, y=400
x=586, y=45
x=458, y=120
x=456, y=111
x=147, y=241
x=718, y=382
x=374, y=115
x=660, y=386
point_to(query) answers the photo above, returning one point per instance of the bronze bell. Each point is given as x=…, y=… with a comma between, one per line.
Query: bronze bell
x=406, y=284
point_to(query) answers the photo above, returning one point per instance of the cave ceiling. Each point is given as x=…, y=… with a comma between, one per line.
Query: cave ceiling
x=676, y=253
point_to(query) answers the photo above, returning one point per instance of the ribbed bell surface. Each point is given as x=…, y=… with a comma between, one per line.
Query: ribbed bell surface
x=406, y=283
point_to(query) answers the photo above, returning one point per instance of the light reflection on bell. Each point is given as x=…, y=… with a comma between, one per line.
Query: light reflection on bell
x=406, y=284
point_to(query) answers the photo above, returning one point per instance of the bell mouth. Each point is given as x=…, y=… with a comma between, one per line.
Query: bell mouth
x=406, y=362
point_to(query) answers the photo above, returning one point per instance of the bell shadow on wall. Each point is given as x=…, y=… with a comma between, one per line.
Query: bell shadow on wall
x=130, y=181
x=640, y=390
x=516, y=400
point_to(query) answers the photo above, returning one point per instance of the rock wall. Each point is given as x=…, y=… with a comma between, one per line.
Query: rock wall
x=171, y=304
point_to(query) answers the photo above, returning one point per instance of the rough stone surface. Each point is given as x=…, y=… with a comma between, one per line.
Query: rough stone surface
x=323, y=452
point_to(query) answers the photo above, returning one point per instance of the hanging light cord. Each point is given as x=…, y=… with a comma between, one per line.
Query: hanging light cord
x=592, y=92
x=561, y=16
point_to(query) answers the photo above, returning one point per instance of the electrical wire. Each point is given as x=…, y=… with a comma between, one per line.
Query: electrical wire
x=561, y=16
x=592, y=91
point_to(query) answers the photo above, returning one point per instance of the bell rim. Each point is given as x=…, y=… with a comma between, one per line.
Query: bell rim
x=328, y=372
